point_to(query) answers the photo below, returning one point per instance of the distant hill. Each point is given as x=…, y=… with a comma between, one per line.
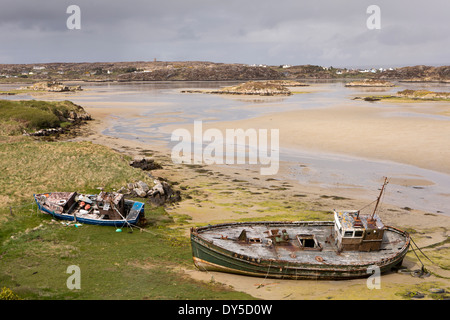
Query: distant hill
x=418, y=73
x=203, y=71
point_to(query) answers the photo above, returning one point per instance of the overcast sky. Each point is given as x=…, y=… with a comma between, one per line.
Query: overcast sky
x=320, y=32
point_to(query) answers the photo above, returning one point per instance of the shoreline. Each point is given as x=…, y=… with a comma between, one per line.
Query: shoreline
x=218, y=193
x=314, y=145
x=215, y=194
x=138, y=149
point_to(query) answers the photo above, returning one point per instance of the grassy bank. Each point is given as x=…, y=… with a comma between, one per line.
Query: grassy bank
x=35, y=167
x=31, y=115
x=35, y=250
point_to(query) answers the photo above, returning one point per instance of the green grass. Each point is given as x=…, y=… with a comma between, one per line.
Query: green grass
x=35, y=251
x=32, y=115
x=113, y=265
x=35, y=167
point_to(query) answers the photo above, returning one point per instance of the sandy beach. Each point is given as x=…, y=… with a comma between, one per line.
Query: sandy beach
x=218, y=193
x=405, y=134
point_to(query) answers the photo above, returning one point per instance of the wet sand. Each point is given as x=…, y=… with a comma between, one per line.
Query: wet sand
x=214, y=194
x=371, y=132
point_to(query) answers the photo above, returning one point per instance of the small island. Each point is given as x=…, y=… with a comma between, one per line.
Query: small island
x=410, y=96
x=260, y=88
x=424, y=95
x=52, y=86
x=289, y=83
x=265, y=88
x=370, y=83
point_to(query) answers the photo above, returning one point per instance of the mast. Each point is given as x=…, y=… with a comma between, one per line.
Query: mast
x=378, y=200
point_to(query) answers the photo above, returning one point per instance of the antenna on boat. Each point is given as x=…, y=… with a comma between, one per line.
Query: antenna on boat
x=379, y=198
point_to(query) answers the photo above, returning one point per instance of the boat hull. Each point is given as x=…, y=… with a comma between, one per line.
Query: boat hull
x=138, y=208
x=208, y=256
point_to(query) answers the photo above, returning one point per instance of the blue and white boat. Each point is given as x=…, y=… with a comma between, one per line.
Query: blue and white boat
x=105, y=209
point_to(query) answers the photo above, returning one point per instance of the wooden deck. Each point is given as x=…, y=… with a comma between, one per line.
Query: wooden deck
x=259, y=244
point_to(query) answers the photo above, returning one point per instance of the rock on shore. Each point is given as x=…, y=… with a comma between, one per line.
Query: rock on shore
x=158, y=195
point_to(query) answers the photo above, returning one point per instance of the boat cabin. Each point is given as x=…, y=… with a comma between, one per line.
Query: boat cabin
x=355, y=232
x=111, y=204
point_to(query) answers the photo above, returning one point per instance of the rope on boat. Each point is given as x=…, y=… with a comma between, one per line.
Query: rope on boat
x=367, y=205
x=422, y=252
x=422, y=272
x=268, y=270
x=129, y=225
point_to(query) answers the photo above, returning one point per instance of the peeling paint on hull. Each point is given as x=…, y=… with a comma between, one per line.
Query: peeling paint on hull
x=214, y=253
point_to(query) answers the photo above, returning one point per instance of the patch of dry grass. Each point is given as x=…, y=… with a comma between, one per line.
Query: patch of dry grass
x=35, y=167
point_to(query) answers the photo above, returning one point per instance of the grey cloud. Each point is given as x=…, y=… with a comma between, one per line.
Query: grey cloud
x=323, y=32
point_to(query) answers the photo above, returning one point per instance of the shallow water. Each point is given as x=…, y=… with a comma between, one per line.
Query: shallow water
x=409, y=186
x=158, y=104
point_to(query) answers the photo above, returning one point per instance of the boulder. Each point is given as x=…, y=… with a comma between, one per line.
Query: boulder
x=145, y=164
x=158, y=195
x=139, y=192
x=143, y=186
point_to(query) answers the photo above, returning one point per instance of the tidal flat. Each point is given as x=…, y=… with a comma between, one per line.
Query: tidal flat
x=215, y=194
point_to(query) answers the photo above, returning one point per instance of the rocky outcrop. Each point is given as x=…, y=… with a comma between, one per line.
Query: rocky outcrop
x=52, y=86
x=159, y=194
x=145, y=164
x=265, y=88
x=75, y=113
x=45, y=132
x=67, y=112
x=260, y=88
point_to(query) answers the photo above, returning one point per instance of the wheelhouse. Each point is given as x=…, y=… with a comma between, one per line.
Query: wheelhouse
x=355, y=232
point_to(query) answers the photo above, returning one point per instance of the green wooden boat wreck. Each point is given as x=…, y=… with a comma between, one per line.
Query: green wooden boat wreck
x=351, y=246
